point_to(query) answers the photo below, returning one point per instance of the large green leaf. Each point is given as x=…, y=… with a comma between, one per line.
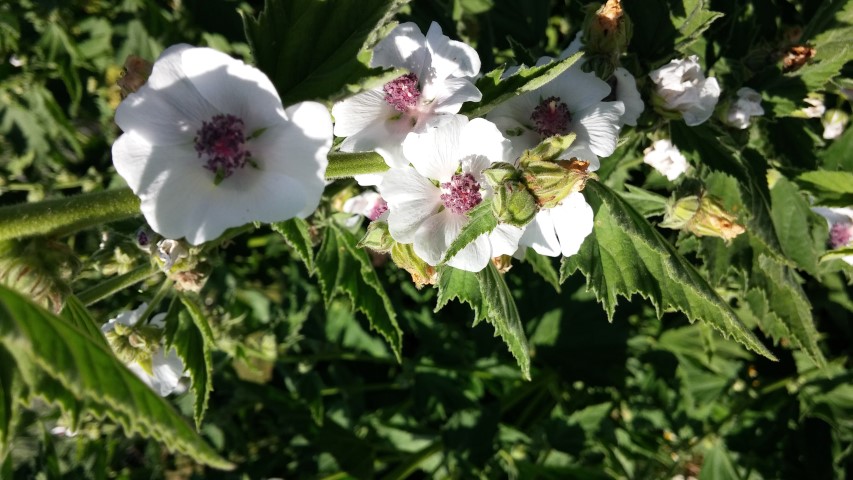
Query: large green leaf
x=833, y=46
x=503, y=315
x=801, y=232
x=496, y=90
x=295, y=233
x=310, y=48
x=344, y=268
x=834, y=189
x=9, y=409
x=193, y=341
x=463, y=286
x=691, y=19
x=77, y=367
x=626, y=255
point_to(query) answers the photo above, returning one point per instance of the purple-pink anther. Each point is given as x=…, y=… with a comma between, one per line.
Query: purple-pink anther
x=840, y=234
x=378, y=209
x=551, y=117
x=223, y=143
x=402, y=93
x=461, y=193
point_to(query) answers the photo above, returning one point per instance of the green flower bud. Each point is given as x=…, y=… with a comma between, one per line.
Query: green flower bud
x=500, y=172
x=548, y=150
x=403, y=255
x=551, y=182
x=701, y=216
x=377, y=238
x=514, y=204
x=607, y=30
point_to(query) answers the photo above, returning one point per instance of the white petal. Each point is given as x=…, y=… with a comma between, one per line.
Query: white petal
x=704, y=108
x=436, y=234
x=579, y=90
x=404, y=47
x=449, y=95
x=233, y=87
x=581, y=151
x=482, y=138
x=474, y=257
x=599, y=127
x=436, y=154
x=573, y=221
x=411, y=199
x=627, y=93
x=504, y=239
x=451, y=58
x=383, y=137
x=573, y=47
x=168, y=371
x=358, y=112
x=540, y=235
x=520, y=137
x=143, y=375
x=518, y=108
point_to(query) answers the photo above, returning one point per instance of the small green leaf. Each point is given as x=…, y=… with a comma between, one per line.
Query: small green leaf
x=648, y=204
x=83, y=374
x=193, y=340
x=463, y=286
x=310, y=48
x=77, y=314
x=801, y=232
x=788, y=301
x=836, y=254
x=344, y=268
x=496, y=90
x=691, y=21
x=295, y=233
x=833, y=189
x=503, y=315
x=626, y=255
x=718, y=464
x=543, y=266
x=832, y=45
x=481, y=220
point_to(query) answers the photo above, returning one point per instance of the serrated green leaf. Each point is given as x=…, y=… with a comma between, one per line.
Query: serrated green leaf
x=836, y=156
x=86, y=371
x=833, y=46
x=691, y=20
x=503, y=315
x=648, y=204
x=496, y=91
x=342, y=268
x=718, y=464
x=305, y=65
x=295, y=233
x=463, y=286
x=626, y=255
x=765, y=317
x=481, y=220
x=76, y=313
x=801, y=232
x=543, y=267
x=192, y=338
x=788, y=301
x=833, y=189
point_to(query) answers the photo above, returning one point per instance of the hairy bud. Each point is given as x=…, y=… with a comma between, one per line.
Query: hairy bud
x=551, y=182
x=403, y=255
x=514, y=204
x=377, y=238
x=701, y=216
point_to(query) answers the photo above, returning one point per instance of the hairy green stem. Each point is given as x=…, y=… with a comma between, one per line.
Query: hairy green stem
x=344, y=165
x=67, y=215
x=114, y=284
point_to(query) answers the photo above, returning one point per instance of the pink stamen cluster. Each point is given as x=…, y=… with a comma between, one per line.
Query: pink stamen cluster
x=551, y=117
x=222, y=142
x=378, y=209
x=402, y=93
x=462, y=193
x=840, y=235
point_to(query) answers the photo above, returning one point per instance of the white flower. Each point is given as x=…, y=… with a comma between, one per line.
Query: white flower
x=833, y=124
x=816, y=107
x=367, y=204
x=747, y=105
x=170, y=252
x=428, y=202
x=840, y=222
x=208, y=146
x=165, y=370
x=623, y=85
x=683, y=87
x=560, y=230
x=572, y=102
x=665, y=157
x=438, y=82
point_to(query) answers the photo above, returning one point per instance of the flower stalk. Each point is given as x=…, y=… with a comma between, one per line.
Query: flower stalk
x=344, y=165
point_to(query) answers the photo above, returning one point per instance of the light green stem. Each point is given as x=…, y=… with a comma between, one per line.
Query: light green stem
x=114, y=284
x=67, y=215
x=344, y=165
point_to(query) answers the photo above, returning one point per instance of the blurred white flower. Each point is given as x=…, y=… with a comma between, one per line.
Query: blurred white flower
x=207, y=146
x=840, y=222
x=747, y=105
x=834, y=122
x=439, y=81
x=665, y=157
x=682, y=87
x=428, y=202
x=560, y=230
x=366, y=204
x=816, y=107
x=162, y=371
x=170, y=252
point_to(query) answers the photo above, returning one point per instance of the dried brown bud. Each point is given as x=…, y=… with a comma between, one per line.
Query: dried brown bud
x=134, y=74
x=796, y=57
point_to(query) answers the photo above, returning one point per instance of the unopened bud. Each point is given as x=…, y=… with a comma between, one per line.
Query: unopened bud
x=551, y=182
x=514, y=204
x=606, y=34
x=702, y=216
x=173, y=255
x=403, y=255
x=549, y=150
x=377, y=238
x=134, y=74
x=500, y=172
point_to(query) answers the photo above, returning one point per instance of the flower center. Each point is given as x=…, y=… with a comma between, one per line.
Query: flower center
x=461, y=193
x=222, y=143
x=402, y=93
x=551, y=117
x=840, y=235
x=378, y=209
